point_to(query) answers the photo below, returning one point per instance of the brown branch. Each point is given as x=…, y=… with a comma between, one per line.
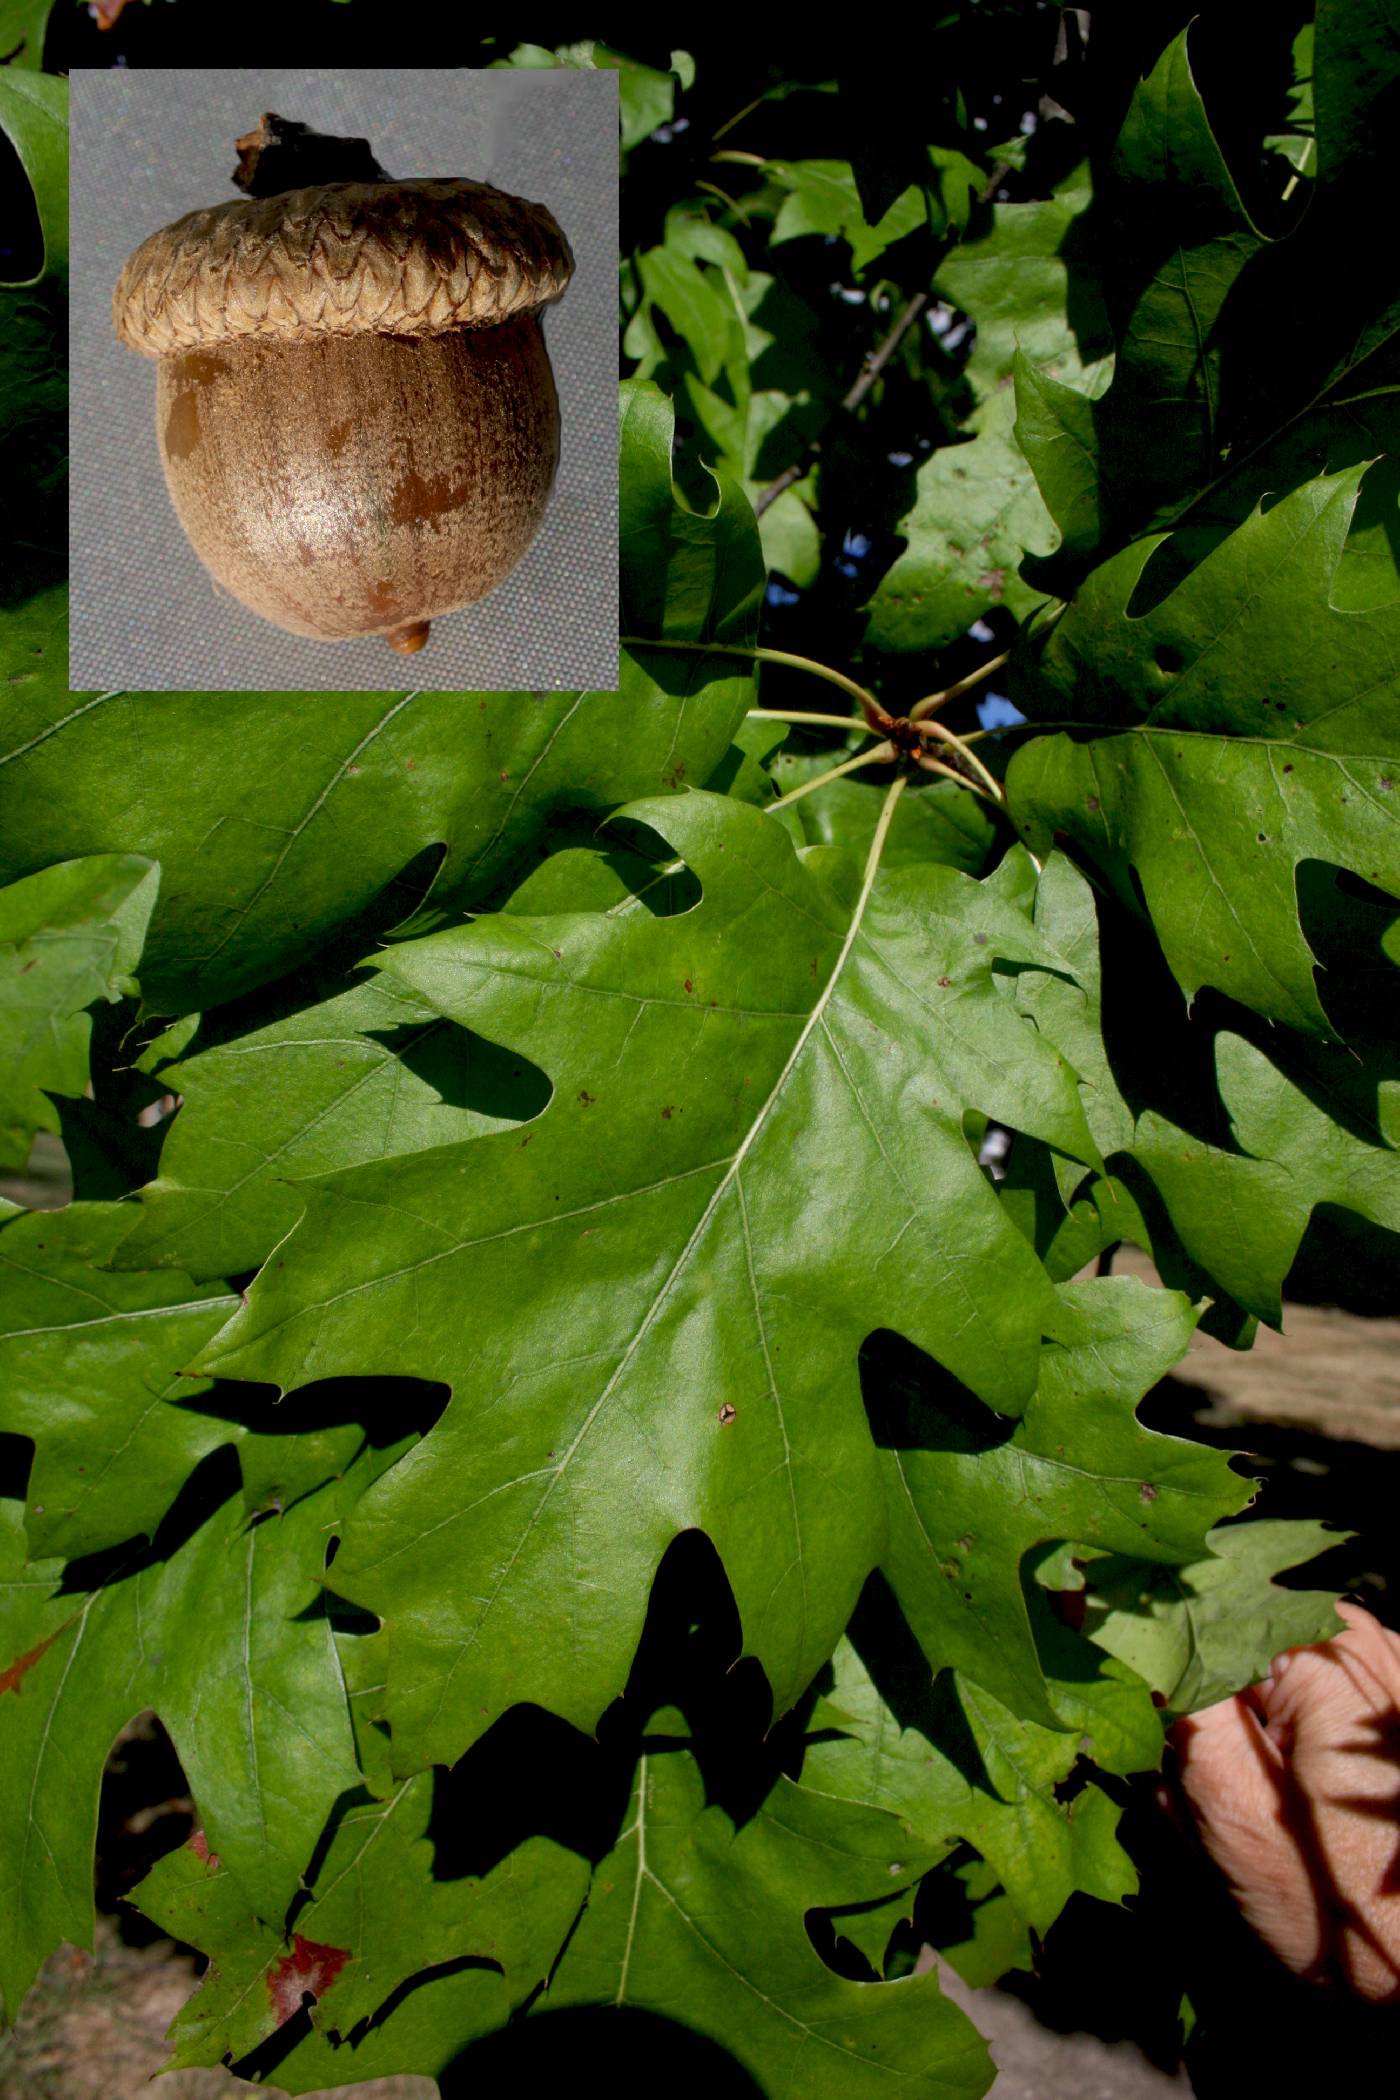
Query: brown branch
x=870, y=371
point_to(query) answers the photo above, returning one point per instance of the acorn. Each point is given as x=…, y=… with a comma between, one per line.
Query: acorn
x=354, y=403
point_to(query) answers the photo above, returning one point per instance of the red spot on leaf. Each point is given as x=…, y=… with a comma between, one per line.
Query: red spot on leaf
x=11, y=1678
x=310, y=1969
x=199, y=1845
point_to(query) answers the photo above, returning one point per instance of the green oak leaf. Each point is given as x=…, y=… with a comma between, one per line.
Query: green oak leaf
x=33, y=372
x=757, y=391
x=970, y=1496
x=91, y=1363
x=977, y=509
x=69, y=935
x=687, y=576
x=366, y=1074
x=34, y=117
x=956, y=1765
x=822, y=198
x=648, y=1266
x=376, y=1916
x=1225, y=391
x=1201, y=1632
x=701, y=1922
x=1324, y=1131
x=255, y=1706
x=994, y=1940
x=22, y=25
x=1223, y=758
x=90, y=1369
x=646, y=96
x=688, y=277
x=1056, y=431
x=1144, y=1060
x=280, y=824
x=1169, y=282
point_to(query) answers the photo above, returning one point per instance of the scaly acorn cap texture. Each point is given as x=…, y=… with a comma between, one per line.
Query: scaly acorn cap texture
x=343, y=258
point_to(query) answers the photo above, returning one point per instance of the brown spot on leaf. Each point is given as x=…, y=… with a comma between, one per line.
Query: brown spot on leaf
x=727, y=1414
x=1147, y=1492
x=667, y=1112
x=993, y=581
x=945, y=982
x=688, y=985
x=309, y=1970
x=585, y=1099
x=199, y=1845
x=1091, y=802
x=11, y=1679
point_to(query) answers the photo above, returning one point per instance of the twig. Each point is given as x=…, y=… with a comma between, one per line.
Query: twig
x=922, y=709
x=970, y=757
x=738, y=116
x=789, y=714
x=936, y=765
x=869, y=705
x=734, y=205
x=877, y=755
x=870, y=371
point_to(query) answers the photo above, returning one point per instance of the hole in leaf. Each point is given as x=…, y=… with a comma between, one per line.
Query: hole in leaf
x=913, y=1404
x=144, y=1811
x=16, y=1461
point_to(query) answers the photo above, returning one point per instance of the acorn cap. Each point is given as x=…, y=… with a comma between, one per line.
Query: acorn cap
x=385, y=258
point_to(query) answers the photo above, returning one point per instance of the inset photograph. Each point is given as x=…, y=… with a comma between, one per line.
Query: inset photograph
x=344, y=380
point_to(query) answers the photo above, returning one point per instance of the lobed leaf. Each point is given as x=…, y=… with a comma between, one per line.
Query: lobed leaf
x=651, y=1263
x=69, y=936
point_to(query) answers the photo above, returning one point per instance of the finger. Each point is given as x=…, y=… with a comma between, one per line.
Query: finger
x=1325, y=1694
x=1233, y=1731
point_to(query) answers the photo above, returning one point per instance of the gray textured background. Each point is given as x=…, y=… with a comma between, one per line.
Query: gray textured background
x=150, y=145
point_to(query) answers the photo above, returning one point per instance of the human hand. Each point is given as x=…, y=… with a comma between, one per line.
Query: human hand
x=1294, y=1787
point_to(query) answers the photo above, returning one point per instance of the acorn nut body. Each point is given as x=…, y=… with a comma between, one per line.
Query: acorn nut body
x=355, y=409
